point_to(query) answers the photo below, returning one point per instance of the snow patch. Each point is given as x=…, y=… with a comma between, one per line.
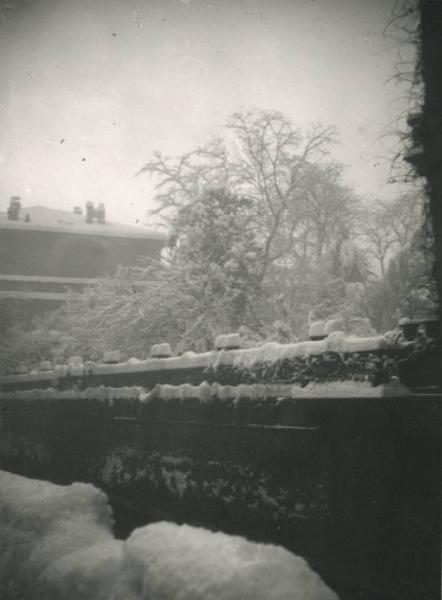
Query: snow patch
x=188, y=563
x=349, y=389
x=57, y=543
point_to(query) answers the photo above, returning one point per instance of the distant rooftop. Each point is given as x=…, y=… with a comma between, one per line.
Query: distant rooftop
x=42, y=218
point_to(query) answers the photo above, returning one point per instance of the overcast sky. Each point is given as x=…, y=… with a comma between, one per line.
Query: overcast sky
x=118, y=79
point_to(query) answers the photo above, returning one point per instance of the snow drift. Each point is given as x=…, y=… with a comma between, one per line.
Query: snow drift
x=57, y=544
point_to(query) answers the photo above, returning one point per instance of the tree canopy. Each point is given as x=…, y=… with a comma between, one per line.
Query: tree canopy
x=264, y=236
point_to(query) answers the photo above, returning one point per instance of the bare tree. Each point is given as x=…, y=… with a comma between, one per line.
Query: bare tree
x=388, y=227
x=263, y=157
x=330, y=208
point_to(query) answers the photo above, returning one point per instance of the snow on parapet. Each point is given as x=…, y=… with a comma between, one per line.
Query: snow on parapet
x=186, y=361
x=258, y=392
x=273, y=352
x=60, y=546
x=206, y=393
x=133, y=365
x=353, y=344
x=100, y=393
x=350, y=389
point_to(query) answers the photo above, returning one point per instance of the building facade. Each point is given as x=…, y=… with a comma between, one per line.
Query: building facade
x=43, y=251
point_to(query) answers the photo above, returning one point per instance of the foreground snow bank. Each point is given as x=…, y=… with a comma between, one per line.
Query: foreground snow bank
x=57, y=544
x=56, y=541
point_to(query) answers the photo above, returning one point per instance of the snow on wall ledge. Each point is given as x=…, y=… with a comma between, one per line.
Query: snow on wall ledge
x=258, y=392
x=57, y=543
x=272, y=353
x=205, y=393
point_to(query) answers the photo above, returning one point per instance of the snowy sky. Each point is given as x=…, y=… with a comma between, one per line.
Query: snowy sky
x=118, y=79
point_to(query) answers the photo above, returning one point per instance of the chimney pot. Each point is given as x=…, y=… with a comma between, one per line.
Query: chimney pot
x=100, y=213
x=14, y=208
x=89, y=212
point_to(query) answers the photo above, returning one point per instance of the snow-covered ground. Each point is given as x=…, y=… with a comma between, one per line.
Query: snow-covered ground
x=57, y=544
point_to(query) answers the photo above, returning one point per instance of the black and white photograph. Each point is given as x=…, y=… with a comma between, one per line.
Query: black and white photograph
x=220, y=283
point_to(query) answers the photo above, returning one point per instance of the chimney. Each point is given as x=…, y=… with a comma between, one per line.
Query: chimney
x=92, y=213
x=89, y=211
x=14, y=208
x=100, y=213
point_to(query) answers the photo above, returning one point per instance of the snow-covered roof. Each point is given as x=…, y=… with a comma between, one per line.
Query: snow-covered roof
x=42, y=218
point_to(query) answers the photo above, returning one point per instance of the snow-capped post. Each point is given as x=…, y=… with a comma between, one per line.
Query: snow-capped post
x=100, y=213
x=89, y=366
x=21, y=369
x=13, y=211
x=161, y=351
x=111, y=357
x=229, y=341
x=61, y=370
x=89, y=212
x=333, y=325
x=75, y=366
x=316, y=331
x=45, y=365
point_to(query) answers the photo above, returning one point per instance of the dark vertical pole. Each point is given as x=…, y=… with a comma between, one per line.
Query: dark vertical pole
x=431, y=49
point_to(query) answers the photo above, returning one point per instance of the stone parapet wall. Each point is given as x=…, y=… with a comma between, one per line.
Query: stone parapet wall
x=317, y=446
x=335, y=359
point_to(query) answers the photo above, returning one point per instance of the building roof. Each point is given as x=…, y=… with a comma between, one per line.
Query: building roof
x=42, y=218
